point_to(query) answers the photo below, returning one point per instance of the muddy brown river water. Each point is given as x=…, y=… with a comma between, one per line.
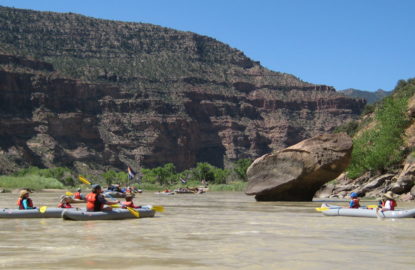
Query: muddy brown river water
x=216, y=230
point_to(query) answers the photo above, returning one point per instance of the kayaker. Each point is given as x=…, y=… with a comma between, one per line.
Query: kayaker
x=129, y=202
x=24, y=202
x=354, y=202
x=95, y=200
x=65, y=202
x=388, y=202
x=78, y=195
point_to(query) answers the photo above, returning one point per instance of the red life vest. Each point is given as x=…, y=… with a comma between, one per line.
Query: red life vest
x=393, y=204
x=92, y=203
x=77, y=195
x=64, y=205
x=128, y=204
x=20, y=203
x=356, y=203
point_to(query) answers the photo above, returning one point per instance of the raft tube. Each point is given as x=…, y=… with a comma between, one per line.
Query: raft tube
x=364, y=212
x=114, y=214
x=51, y=212
x=114, y=194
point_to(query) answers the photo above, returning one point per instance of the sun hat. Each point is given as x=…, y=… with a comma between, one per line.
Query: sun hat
x=23, y=192
x=388, y=195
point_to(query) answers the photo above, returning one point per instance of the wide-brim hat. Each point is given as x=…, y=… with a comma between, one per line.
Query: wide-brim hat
x=23, y=192
x=389, y=195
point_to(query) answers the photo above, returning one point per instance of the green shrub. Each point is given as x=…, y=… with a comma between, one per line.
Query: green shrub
x=381, y=147
x=35, y=182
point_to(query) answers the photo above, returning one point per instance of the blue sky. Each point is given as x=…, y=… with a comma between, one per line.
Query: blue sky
x=362, y=44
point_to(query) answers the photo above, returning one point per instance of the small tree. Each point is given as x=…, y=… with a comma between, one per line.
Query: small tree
x=240, y=168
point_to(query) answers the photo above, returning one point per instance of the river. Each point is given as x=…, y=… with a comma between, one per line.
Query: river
x=216, y=230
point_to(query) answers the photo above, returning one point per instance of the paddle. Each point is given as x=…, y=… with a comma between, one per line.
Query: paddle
x=42, y=209
x=69, y=193
x=84, y=180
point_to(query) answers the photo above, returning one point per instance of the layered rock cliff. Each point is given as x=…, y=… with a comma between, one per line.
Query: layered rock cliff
x=88, y=93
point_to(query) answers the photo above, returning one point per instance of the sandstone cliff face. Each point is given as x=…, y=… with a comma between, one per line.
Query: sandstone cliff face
x=143, y=96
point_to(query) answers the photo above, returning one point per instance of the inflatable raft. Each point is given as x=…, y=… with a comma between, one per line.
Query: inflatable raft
x=51, y=212
x=334, y=210
x=114, y=214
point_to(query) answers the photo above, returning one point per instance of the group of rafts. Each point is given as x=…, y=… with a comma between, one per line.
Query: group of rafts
x=116, y=213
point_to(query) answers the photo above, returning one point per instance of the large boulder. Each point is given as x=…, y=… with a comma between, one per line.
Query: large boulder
x=297, y=172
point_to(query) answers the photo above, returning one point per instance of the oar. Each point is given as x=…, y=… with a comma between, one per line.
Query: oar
x=69, y=193
x=42, y=209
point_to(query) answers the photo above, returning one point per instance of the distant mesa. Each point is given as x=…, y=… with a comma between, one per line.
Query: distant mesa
x=370, y=97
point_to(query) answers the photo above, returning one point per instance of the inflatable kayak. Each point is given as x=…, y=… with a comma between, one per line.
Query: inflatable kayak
x=51, y=212
x=333, y=210
x=114, y=214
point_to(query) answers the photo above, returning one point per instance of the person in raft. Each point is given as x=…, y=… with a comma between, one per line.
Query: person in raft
x=95, y=200
x=24, y=202
x=388, y=202
x=129, y=202
x=354, y=202
x=65, y=202
x=77, y=195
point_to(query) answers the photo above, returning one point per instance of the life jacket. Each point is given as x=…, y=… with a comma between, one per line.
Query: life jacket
x=355, y=203
x=92, y=203
x=77, y=195
x=20, y=203
x=393, y=204
x=128, y=204
x=64, y=205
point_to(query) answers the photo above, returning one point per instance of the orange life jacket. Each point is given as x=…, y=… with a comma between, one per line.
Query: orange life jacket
x=20, y=203
x=92, y=203
x=77, y=195
x=356, y=203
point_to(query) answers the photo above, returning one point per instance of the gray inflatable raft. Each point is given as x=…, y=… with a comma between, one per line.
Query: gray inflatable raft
x=106, y=215
x=362, y=212
x=51, y=212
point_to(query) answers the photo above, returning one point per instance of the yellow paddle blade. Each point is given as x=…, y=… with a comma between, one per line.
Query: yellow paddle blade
x=68, y=193
x=320, y=209
x=42, y=209
x=115, y=205
x=134, y=212
x=372, y=206
x=158, y=208
x=84, y=180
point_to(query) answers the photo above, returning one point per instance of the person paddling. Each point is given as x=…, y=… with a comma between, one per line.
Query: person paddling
x=77, y=195
x=129, y=202
x=354, y=202
x=65, y=202
x=388, y=202
x=24, y=202
x=95, y=200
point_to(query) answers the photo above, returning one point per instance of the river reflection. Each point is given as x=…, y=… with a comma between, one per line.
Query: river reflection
x=216, y=230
